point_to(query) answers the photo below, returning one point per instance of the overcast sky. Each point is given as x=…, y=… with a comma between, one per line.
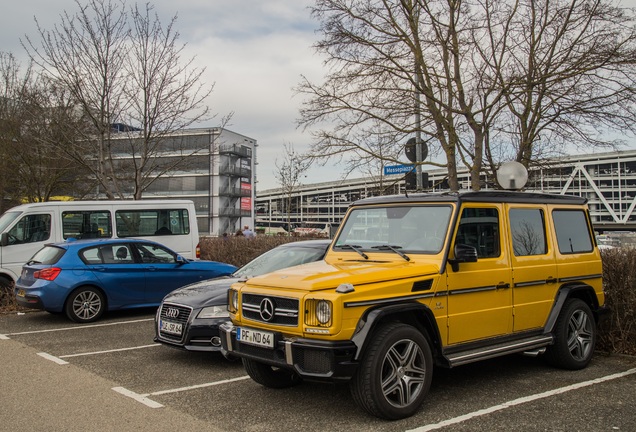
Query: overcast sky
x=254, y=52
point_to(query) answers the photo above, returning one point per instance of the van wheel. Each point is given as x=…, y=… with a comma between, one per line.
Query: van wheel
x=574, y=337
x=395, y=374
x=271, y=376
x=84, y=305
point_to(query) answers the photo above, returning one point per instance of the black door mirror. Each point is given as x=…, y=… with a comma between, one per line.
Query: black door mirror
x=463, y=253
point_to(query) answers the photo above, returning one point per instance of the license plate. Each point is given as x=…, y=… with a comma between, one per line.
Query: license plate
x=255, y=337
x=21, y=293
x=171, y=327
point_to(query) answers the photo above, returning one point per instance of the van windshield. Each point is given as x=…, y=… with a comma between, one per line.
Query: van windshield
x=416, y=229
x=7, y=219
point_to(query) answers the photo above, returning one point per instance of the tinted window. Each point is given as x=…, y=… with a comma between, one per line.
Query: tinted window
x=152, y=222
x=107, y=254
x=48, y=255
x=479, y=227
x=86, y=224
x=573, y=235
x=528, y=232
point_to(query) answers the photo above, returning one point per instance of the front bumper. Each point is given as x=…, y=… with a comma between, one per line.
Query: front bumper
x=197, y=334
x=317, y=360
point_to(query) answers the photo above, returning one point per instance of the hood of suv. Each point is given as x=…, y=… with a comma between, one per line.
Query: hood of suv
x=321, y=275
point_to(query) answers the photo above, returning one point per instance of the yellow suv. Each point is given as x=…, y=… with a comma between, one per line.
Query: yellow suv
x=413, y=282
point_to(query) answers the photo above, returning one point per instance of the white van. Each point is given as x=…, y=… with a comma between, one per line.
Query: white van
x=26, y=228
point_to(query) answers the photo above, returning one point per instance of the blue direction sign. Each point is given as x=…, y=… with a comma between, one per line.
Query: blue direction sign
x=398, y=169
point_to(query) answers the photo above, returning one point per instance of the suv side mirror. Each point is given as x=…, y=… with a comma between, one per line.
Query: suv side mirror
x=463, y=253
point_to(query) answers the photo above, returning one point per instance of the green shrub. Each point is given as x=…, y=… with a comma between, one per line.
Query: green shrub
x=618, y=332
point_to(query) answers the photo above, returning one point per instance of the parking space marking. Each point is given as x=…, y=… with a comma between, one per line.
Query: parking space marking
x=136, y=396
x=196, y=386
x=521, y=400
x=109, y=351
x=53, y=358
x=77, y=327
x=4, y=337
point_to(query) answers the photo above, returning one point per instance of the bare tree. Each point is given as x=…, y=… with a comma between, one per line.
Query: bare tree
x=125, y=71
x=289, y=173
x=488, y=78
x=31, y=130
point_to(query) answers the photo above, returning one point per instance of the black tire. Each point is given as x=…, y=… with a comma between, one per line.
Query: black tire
x=395, y=373
x=271, y=376
x=85, y=304
x=574, y=337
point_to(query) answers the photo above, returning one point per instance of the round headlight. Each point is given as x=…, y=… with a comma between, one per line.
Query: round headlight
x=323, y=311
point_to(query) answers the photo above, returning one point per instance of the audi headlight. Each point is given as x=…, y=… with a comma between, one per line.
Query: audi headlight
x=232, y=301
x=214, y=312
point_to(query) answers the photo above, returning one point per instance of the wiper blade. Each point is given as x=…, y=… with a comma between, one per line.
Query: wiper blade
x=393, y=248
x=33, y=262
x=355, y=248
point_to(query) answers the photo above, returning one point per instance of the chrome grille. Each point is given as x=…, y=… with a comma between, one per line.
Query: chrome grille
x=285, y=309
x=167, y=313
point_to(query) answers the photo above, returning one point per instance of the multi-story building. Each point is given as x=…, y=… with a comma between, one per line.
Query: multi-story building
x=218, y=175
x=607, y=180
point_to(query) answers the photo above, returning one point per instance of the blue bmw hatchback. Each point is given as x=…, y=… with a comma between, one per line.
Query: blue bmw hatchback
x=85, y=278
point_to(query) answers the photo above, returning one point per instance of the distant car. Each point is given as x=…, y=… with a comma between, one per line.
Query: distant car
x=85, y=278
x=188, y=317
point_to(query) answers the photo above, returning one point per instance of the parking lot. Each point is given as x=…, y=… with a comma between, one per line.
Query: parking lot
x=111, y=373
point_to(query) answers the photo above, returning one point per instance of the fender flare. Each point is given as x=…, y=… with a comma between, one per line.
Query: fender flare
x=579, y=290
x=371, y=319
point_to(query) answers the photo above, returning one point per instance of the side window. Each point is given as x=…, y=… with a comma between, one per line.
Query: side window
x=30, y=229
x=479, y=227
x=152, y=222
x=151, y=253
x=107, y=254
x=86, y=224
x=573, y=234
x=528, y=232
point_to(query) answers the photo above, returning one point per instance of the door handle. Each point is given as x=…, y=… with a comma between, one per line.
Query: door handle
x=503, y=285
x=551, y=280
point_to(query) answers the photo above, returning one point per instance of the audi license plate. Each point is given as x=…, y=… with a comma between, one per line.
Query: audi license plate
x=255, y=337
x=171, y=327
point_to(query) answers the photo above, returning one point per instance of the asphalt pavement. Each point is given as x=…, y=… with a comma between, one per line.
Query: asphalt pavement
x=37, y=394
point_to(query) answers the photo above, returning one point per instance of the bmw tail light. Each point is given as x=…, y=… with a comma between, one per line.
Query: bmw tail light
x=47, y=273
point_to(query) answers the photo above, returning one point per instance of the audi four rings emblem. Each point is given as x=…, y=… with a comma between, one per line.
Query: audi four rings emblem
x=172, y=312
x=267, y=309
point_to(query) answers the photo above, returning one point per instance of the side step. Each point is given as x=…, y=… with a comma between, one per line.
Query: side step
x=490, y=351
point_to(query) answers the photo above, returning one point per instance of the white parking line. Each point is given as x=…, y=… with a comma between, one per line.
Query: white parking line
x=520, y=401
x=143, y=398
x=109, y=351
x=76, y=327
x=4, y=337
x=139, y=398
x=53, y=358
x=196, y=386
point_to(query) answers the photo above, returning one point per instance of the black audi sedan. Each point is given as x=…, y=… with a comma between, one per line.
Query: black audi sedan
x=188, y=318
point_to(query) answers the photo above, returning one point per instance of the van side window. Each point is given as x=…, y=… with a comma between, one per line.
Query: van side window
x=479, y=227
x=152, y=222
x=573, y=234
x=527, y=227
x=86, y=224
x=31, y=228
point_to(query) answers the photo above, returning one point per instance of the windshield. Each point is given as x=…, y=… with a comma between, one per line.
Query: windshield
x=7, y=219
x=418, y=229
x=279, y=258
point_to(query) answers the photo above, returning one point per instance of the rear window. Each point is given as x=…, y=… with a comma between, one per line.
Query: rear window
x=48, y=255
